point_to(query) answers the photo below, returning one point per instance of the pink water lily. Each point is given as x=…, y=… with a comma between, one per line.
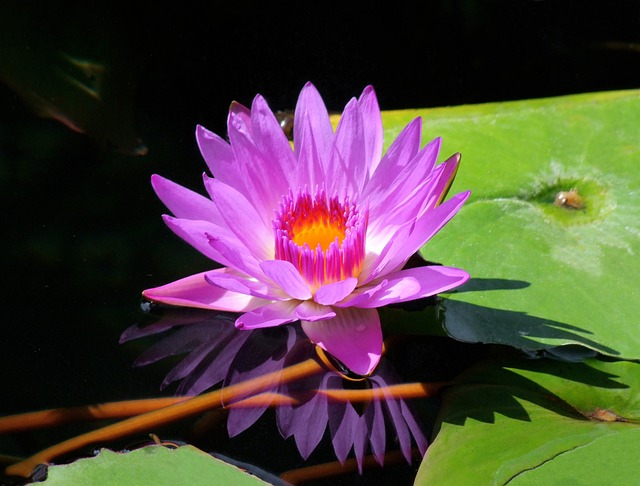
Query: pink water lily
x=319, y=232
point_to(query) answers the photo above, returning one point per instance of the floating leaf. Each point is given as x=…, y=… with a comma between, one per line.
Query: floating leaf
x=547, y=269
x=151, y=466
x=538, y=422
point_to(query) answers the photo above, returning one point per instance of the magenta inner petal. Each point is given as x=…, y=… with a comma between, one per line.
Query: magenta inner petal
x=354, y=337
x=311, y=311
x=287, y=277
x=334, y=292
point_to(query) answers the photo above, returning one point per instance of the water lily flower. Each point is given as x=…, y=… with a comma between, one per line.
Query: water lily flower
x=318, y=232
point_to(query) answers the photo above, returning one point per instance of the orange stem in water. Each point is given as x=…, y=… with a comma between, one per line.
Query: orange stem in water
x=404, y=390
x=335, y=468
x=101, y=411
x=156, y=418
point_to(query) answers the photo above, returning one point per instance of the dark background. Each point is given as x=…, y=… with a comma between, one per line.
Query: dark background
x=81, y=228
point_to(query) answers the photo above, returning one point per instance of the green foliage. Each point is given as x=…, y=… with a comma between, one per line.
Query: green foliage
x=549, y=276
x=150, y=465
x=543, y=274
x=538, y=422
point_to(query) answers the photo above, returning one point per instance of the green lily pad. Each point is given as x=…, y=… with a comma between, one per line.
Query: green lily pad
x=151, y=465
x=538, y=422
x=551, y=232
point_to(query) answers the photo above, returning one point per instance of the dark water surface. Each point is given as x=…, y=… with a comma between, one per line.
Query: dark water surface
x=82, y=234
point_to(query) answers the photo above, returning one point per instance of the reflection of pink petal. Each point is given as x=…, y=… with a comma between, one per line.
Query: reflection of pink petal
x=343, y=429
x=354, y=337
x=217, y=352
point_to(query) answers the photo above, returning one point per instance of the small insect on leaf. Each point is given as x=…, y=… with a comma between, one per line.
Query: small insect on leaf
x=604, y=415
x=569, y=199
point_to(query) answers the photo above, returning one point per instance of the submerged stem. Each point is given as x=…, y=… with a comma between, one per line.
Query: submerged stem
x=156, y=418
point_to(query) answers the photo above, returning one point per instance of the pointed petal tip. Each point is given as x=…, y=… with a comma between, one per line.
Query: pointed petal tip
x=237, y=108
x=368, y=89
x=157, y=181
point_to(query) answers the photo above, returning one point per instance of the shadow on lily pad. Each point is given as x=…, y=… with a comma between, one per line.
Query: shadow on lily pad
x=503, y=387
x=479, y=324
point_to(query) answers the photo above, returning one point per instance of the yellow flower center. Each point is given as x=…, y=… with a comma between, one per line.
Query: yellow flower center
x=314, y=232
x=323, y=237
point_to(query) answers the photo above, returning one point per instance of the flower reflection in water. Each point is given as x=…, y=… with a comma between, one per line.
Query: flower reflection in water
x=361, y=413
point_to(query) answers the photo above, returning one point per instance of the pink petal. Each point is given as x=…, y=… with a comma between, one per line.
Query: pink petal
x=449, y=170
x=311, y=108
x=426, y=227
x=331, y=293
x=409, y=239
x=373, y=133
x=184, y=203
x=350, y=147
x=409, y=284
x=219, y=157
x=310, y=171
x=271, y=141
x=287, y=277
x=242, y=219
x=236, y=254
x=194, y=291
x=354, y=337
x=236, y=282
x=391, y=185
x=195, y=233
x=402, y=211
x=402, y=150
x=263, y=178
x=242, y=114
x=312, y=311
x=270, y=315
x=362, y=295
x=313, y=136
